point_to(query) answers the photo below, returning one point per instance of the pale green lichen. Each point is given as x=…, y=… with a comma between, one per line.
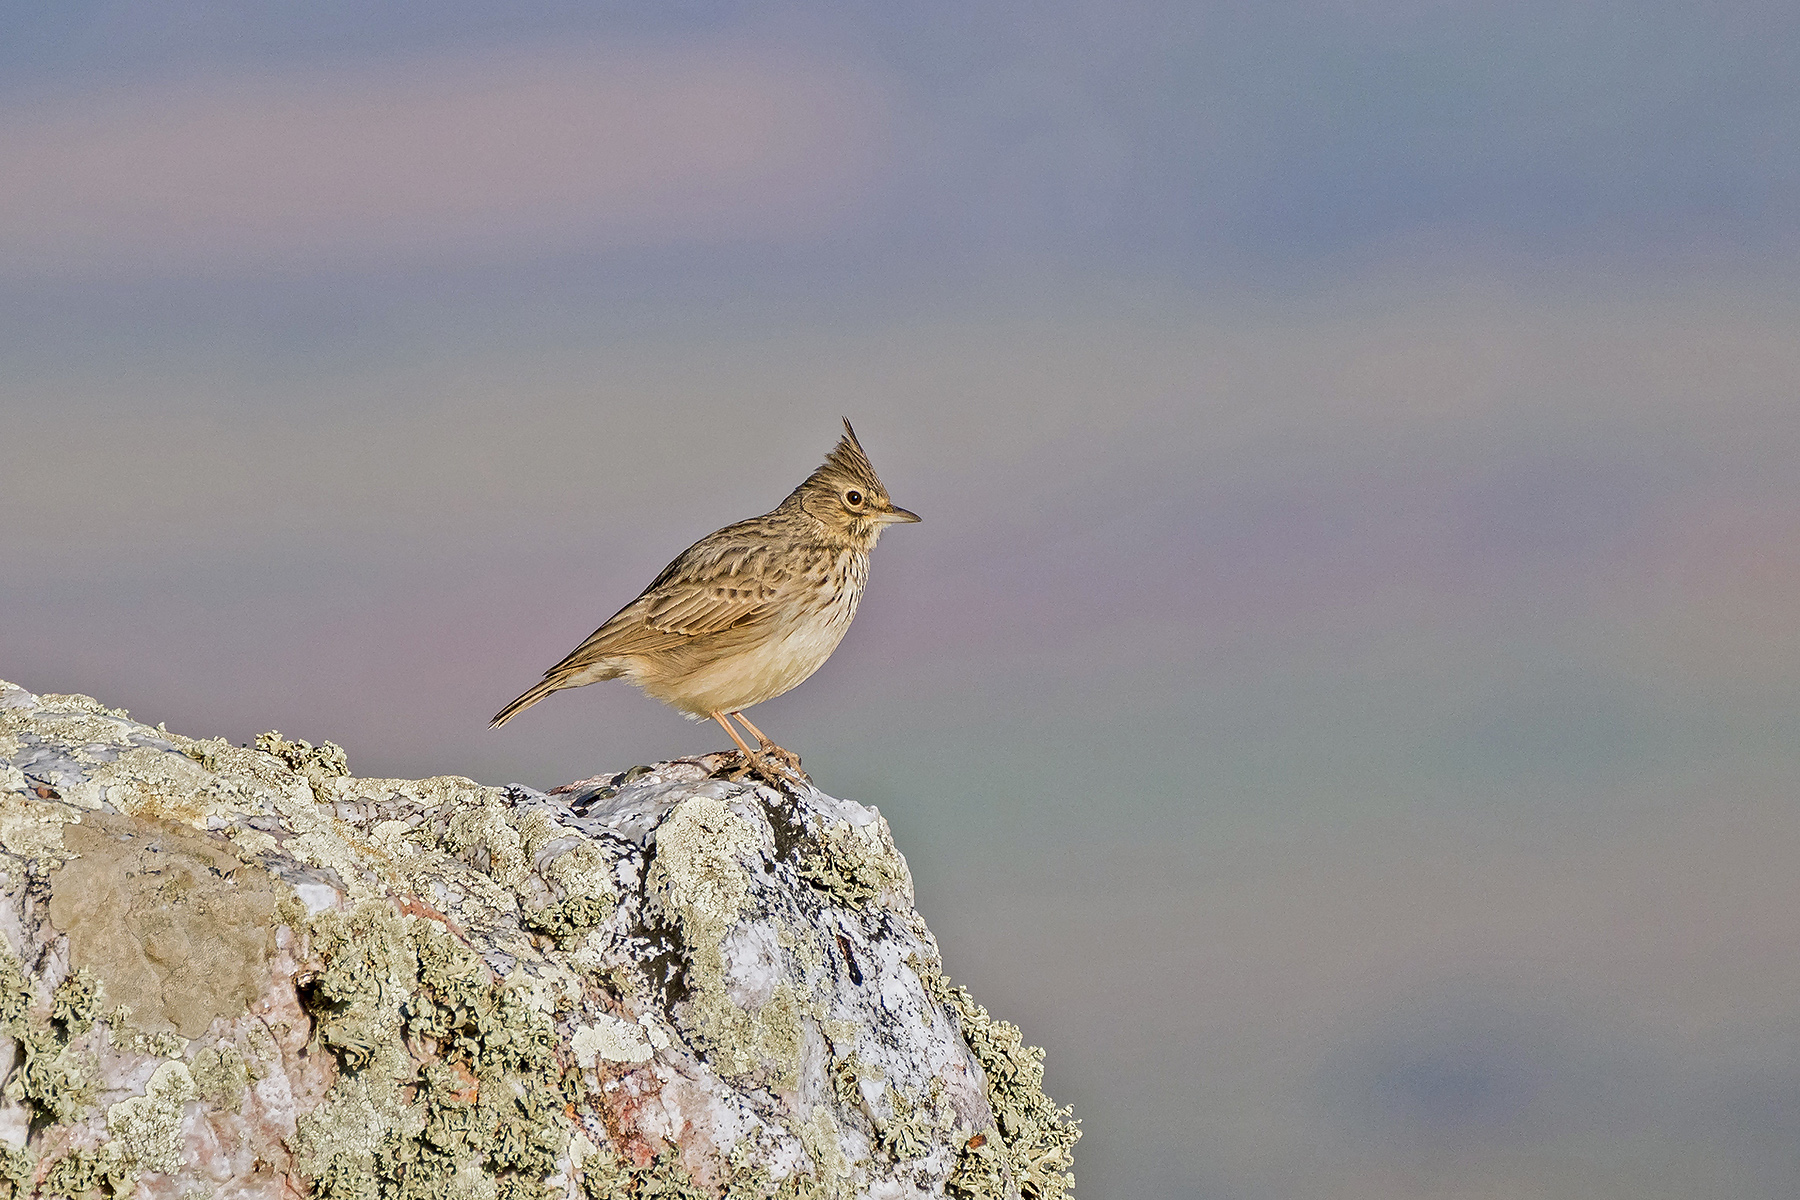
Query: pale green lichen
x=910, y=1131
x=146, y=1130
x=357, y=1004
x=847, y=1075
x=221, y=1076
x=570, y=921
x=89, y=1169
x=582, y=870
x=752, y=1180
x=159, y=785
x=982, y=1169
x=483, y=1116
x=854, y=863
x=163, y=1043
x=805, y=945
x=251, y=776
x=605, y=1176
x=699, y=872
x=208, y=752
x=610, y=1039
x=75, y=1004
x=57, y=1080
x=74, y=720
x=33, y=829
x=251, y=843
x=1034, y=1141
x=328, y=760
x=486, y=827
x=346, y=1144
x=369, y=963
x=699, y=877
x=17, y=1166
x=775, y=1034
x=824, y=1143
x=16, y=990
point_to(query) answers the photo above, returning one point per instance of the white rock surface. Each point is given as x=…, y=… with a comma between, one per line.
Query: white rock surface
x=243, y=972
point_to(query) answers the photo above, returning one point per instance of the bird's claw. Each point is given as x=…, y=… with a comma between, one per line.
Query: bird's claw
x=773, y=765
x=786, y=759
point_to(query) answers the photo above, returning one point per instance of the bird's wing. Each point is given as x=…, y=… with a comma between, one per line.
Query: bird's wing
x=718, y=585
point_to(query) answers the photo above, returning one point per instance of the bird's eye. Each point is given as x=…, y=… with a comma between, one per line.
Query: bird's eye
x=853, y=498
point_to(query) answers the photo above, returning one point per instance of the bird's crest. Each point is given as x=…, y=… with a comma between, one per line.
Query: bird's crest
x=847, y=464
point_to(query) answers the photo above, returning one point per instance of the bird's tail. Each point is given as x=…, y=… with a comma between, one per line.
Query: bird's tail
x=533, y=694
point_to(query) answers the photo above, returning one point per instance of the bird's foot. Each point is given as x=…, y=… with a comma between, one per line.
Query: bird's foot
x=786, y=760
x=777, y=769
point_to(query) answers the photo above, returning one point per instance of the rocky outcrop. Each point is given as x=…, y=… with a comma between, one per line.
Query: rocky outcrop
x=241, y=971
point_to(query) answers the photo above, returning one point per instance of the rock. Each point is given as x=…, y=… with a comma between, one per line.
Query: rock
x=242, y=972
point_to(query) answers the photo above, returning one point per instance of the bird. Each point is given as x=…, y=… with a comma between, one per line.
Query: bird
x=745, y=613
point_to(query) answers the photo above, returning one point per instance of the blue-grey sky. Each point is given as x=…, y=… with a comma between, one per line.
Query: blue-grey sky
x=1187, y=141
x=1343, y=697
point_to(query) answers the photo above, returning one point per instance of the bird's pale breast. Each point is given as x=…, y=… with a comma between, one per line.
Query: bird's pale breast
x=796, y=644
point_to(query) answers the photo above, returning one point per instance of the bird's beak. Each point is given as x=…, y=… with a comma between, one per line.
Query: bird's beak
x=897, y=516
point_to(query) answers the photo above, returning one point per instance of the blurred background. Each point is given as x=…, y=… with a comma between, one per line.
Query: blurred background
x=1344, y=696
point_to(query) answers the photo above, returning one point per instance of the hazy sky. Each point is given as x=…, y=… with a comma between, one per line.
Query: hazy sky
x=1344, y=695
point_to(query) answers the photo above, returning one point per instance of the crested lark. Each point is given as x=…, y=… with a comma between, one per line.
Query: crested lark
x=748, y=612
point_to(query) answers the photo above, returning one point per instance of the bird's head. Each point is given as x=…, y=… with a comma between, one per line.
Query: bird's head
x=846, y=498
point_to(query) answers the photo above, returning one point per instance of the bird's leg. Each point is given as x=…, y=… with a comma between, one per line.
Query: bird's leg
x=750, y=756
x=762, y=738
x=787, y=757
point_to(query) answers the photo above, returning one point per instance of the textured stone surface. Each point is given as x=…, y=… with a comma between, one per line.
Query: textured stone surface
x=233, y=971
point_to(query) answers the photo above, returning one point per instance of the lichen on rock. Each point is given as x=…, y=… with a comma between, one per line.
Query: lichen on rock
x=1034, y=1141
x=244, y=970
x=146, y=1129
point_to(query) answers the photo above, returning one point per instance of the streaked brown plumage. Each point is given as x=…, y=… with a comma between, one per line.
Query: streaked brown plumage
x=748, y=612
